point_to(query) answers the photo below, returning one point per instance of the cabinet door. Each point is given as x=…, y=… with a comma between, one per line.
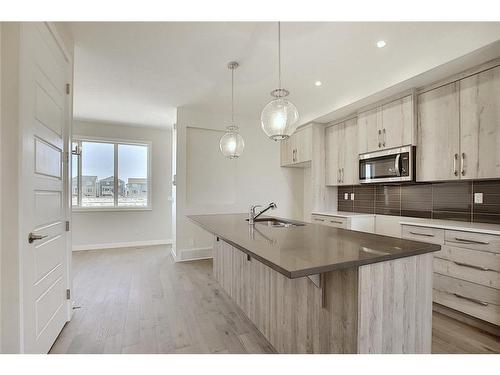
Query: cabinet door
x=438, y=134
x=480, y=125
x=332, y=141
x=350, y=161
x=370, y=128
x=287, y=153
x=397, y=123
x=303, y=145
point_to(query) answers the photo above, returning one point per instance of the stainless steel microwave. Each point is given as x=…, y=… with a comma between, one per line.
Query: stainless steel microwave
x=393, y=165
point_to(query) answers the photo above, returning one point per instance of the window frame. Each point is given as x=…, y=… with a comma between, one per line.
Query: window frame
x=115, y=142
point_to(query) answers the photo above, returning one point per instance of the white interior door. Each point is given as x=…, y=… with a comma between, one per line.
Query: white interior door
x=44, y=73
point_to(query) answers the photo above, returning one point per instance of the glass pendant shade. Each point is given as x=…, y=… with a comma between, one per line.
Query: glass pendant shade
x=279, y=119
x=232, y=144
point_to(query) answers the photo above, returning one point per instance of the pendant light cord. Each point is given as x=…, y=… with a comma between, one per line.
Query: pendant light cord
x=232, y=96
x=279, y=55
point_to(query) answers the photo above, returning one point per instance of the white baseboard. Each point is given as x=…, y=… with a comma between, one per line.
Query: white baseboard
x=115, y=245
x=184, y=255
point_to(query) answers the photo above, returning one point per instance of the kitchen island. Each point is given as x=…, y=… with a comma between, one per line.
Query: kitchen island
x=315, y=289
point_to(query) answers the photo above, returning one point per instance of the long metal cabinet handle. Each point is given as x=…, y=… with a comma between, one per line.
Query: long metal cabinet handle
x=465, y=240
x=396, y=164
x=422, y=234
x=336, y=222
x=471, y=299
x=378, y=138
x=455, y=159
x=462, y=166
x=384, y=137
x=471, y=266
x=319, y=219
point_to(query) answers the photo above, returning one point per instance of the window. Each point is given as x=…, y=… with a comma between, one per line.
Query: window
x=110, y=175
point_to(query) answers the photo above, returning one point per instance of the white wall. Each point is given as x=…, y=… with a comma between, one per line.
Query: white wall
x=255, y=178
x=118, y=228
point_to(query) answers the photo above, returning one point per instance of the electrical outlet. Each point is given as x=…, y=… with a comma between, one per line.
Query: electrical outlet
x=346, y=196
x=478, y=198
x=352, y=196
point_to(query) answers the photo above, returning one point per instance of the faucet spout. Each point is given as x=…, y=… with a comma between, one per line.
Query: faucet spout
x=252, y=215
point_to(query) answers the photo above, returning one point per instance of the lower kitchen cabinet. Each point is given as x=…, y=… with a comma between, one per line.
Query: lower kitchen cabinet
x=362, y=223
x=466, y=270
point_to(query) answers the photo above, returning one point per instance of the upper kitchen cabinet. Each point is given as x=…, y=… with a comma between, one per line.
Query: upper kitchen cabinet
x=342, y=153
x=438, y=134
x=387, y=126
x=480, y=125
x=370, y=130
x=459, y=129
x=296, y=151
x=398, y=123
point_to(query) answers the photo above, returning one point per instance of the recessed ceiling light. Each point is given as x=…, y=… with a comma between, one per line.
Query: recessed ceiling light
x=381, y=44
x=318, y=83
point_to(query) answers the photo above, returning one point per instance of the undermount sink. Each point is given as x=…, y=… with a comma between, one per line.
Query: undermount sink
x=272, y=222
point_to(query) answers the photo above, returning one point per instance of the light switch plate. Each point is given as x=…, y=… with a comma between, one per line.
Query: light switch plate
x=352, y=196
x=478, y=198
x=346, y=196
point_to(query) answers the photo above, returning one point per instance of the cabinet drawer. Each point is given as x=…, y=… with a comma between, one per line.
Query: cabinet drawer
x=476, y=300
x=475, y=241
x=481, y=260
x=467, y=272
x=331, y=221
x=423, y=234
x=337, y=222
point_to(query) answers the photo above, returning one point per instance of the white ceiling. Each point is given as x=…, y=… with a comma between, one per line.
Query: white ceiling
x=139, y=73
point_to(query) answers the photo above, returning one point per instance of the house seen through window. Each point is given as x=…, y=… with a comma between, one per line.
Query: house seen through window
x=110, y=175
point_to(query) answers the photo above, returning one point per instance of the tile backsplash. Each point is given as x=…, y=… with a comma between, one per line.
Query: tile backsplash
x=440, y=200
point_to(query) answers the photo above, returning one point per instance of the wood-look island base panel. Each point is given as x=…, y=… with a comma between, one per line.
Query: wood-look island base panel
x=384, y=307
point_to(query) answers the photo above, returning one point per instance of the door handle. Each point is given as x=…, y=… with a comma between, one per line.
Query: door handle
x=455, y=159
x=383, y=137
x=462, y=166
x=342, y=175
x=379, y=134
x=34, y=237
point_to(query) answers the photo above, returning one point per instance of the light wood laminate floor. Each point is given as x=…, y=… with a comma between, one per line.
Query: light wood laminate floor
x=139, y=301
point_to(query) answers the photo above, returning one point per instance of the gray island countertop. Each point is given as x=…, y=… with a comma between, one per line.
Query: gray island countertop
x=310, y=249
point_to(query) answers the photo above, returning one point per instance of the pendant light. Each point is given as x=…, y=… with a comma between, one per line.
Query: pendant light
x=279, y=118
x=231, y=144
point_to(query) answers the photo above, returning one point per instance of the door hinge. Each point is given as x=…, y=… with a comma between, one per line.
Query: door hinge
x=68, y=294
x=68, y=88
x=67, y=226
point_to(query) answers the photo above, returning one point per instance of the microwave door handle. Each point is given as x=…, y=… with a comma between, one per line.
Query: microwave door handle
x=396, y=164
